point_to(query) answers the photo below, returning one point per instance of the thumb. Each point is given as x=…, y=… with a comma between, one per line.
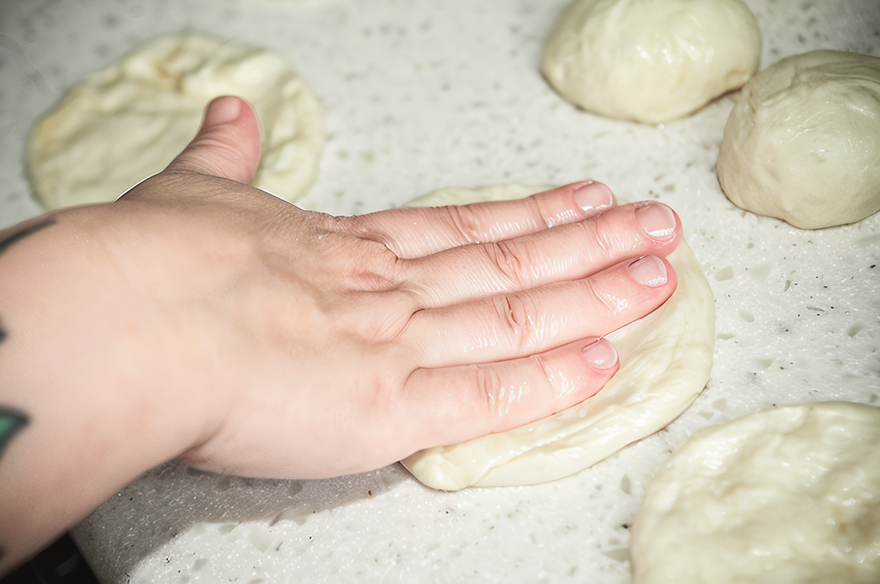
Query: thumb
x=227, y=145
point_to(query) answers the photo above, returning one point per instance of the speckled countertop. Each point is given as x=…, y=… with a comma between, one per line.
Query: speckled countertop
x=421, y=95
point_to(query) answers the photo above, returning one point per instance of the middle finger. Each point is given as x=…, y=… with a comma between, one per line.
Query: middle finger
x=564, y=253
x=518, y=324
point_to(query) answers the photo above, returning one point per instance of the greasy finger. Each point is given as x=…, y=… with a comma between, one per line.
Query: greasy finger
x=569, y=252
x=458, y=403
x=418, y=231
x=518, y=324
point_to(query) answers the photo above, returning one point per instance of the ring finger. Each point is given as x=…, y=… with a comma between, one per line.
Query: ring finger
x=518, y=324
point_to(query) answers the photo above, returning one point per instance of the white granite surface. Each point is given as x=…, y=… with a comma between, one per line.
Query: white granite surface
x=422, y=94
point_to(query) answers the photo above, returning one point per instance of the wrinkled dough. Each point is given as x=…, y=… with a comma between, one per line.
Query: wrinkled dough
x=127, y=122
x=651, y=61
x=802, y=143
x=784, y=496
x=665, y=359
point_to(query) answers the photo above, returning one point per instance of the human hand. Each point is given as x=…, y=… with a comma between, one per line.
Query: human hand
x=202, y=319
x=333, y=345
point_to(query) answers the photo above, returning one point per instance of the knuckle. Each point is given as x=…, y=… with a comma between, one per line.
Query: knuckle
x=489, y=387
x=601, y=239
x=517, y=314
x=466, y=223
x=364, y=264
x=547, y=381
x=384, y=325
x=374, y=269
x=334, y=224
x=537, y=215
x=510, y=262
x=613, y=304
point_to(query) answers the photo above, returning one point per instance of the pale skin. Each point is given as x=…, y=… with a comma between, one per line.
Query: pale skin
x=200, y=319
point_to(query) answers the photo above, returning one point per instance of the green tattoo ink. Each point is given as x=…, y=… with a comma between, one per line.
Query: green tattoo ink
x=11, y=422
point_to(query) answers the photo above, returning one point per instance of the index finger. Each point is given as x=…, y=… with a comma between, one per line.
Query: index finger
x=412, y=232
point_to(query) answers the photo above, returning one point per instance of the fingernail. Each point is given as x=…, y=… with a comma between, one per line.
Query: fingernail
x=657, y=220
x=601, y=354
x=222, y=111
x=649, y=271
x=593, y=197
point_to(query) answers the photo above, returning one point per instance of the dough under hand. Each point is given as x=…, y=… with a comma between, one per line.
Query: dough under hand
x=651, y=60
x=785, y=496
x=803, y=141
x=665, y=359
x=127, y=122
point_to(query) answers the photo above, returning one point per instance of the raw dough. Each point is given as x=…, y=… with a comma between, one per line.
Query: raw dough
x=785, y=496
x=665, y=361
x=651, y=60
x=803, y=141
x=123, y=124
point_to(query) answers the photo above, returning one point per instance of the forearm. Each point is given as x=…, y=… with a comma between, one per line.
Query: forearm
x=73, y=372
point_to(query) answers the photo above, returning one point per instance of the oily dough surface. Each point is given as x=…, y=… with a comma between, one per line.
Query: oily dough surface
x=665, y=359
x=651, y=61
x=802, y=143
x=127, y=122
x=784, y=496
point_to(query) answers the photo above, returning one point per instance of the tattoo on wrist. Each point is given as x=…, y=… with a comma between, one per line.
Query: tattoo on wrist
x=11, y=422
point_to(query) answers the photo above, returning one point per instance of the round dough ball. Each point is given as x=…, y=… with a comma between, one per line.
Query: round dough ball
x=803, y=142
x=785, y=496
x=127, y=122
x=651, y=60
x=665, y=359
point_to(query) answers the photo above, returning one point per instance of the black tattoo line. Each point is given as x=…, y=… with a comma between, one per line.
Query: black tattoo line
x=29, y=230
x=15, y=238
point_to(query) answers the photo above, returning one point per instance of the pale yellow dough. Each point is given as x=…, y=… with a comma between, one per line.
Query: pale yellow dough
x=665, y=362
x=127, y=122
x=651, y=61
x=803, y=142
x=785, y=496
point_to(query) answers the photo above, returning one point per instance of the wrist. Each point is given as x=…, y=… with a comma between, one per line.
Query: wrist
x=90, y=359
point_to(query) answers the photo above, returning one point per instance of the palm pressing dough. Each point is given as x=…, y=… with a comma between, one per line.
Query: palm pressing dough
x=651, y=61
x=665, y=359
x=803, y=142
x=785, y=496
x=127, y=122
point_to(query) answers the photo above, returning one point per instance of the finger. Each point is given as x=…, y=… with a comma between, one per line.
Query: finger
x=518, y=324
x=569, y=252
x=460, y=403
x=227, y=145
x=417, y=231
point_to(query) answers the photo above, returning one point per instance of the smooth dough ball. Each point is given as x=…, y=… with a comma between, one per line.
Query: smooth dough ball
x=651, y=60
x=803, y=142
x=785, y=496
x=125, y=123
x=665, y=359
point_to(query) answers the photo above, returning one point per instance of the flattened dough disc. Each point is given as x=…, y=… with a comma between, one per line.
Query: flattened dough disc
x=784, y=496
x=127, y=122
x=665, y=362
